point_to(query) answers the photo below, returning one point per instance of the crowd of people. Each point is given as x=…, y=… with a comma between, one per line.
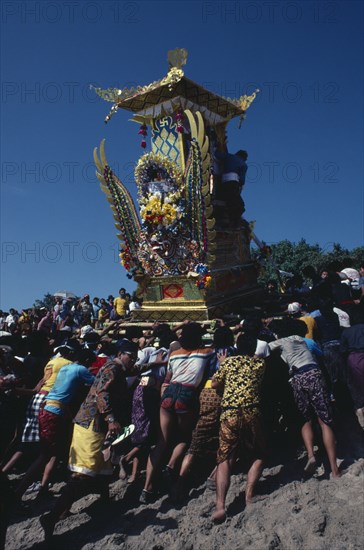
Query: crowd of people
x=82, y=385
x=69, y=313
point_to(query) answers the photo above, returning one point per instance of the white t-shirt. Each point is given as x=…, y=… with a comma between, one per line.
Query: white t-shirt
x=262, y=349
x=11, y=319
x=188, y=366
x=344, y=318
x=144, y=355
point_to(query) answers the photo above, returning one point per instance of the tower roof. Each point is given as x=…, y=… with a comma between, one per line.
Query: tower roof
x=175, y=90
x=185, y=93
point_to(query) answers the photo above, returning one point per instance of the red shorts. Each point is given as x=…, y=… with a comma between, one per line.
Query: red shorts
x=179, y=398
x=53, y=432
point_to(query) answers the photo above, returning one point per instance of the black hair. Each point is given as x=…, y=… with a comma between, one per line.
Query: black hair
x=133, y=332
x=289, y=327
x=159, y=329
x=165, y=334
x=85, y=357
x=223, y=337
x=108, y=348
x=191, y=336
x=72, y=352
x=166, y=338
x=91, y=338
x=246, y=345
x=252, y=326
x=356, y=315
x=242, y=154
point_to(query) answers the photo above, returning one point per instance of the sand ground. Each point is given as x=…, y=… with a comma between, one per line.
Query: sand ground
x=312, y=514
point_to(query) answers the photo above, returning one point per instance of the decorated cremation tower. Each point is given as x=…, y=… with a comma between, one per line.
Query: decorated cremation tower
x=187, y=245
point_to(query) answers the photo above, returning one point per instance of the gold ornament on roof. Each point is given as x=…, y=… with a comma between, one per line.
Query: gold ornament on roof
x=244, y=101
x=177, y=58
x=247, y=100
x=173, y=77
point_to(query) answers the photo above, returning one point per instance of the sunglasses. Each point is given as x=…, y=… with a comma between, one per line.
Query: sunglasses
x=133, y=355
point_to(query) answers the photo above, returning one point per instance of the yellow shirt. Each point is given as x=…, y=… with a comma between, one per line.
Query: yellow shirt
x=242, y=377
x=51, y=370
x=120, y=305
x=311, y=327
x=103, y=313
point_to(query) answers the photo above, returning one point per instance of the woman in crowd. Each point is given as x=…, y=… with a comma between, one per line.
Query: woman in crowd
x=310, y=392
x=146, y=401
x=241, y=424
x=205, y=436
x=178, y=412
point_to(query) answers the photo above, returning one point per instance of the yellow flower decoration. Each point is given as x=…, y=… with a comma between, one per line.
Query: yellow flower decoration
x=158, y=213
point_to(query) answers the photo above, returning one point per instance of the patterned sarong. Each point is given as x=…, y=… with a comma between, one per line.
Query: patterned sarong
x=145, y=415
x=205, y=436
x=242, y=432
x=31, y=428
x=356, y=377
x=311, y=396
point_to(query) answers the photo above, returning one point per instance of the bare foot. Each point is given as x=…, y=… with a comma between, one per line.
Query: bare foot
x=335, y=475
x=310, y=467
x=131, y=479
x=219, y=516
x=122, y=473
x=252, y=500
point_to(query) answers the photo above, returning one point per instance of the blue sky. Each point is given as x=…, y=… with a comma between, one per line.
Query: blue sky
x=304, y=133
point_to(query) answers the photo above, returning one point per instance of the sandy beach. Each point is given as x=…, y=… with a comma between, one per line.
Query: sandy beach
x=294, y=513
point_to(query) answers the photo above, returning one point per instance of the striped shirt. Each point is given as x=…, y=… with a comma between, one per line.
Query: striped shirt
x=189, y=366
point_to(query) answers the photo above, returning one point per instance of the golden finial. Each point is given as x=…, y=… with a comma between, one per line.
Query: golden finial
x=177, y=58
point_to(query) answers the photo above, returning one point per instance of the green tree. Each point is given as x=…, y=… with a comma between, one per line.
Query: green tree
x=293, y=257
x=47, y=301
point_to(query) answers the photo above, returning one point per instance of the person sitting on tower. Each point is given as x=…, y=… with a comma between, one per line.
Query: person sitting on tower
x=234, y=170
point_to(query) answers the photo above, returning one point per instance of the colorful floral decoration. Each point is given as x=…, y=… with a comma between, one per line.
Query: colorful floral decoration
x=195, y=206
x=151, y=164
x=179, y=120
x=174, y=229
x=160, y=187
x=143, y=131
x=159, y=212
x=126, y=217
x=203, y=279
x=165, y=246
